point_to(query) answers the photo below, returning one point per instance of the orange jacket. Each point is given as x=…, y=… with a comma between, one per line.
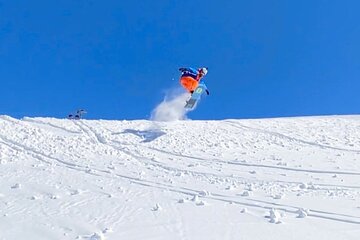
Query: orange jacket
x=190, y=78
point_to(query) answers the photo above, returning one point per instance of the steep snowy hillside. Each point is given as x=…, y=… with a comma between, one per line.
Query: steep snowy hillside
x=291, y=178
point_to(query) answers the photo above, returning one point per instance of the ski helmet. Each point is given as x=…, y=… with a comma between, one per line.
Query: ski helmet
x=203, y=70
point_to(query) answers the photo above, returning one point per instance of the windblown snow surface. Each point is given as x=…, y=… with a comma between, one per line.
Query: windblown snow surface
x=290, y=178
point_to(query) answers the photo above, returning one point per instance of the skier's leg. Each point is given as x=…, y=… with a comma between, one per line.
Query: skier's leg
x=188, y=83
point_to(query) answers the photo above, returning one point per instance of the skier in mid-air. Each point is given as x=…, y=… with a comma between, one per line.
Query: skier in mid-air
x=190, y=78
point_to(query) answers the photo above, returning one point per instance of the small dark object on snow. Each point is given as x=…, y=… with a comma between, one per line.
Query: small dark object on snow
x=78, y=115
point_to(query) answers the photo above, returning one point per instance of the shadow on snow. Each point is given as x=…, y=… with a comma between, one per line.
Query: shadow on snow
x=147, y=135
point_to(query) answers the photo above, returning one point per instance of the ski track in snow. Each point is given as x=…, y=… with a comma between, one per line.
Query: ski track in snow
x=291, y=138
x=179, y=180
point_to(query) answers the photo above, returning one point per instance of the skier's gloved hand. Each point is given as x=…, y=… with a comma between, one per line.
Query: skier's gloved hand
x=207, y=92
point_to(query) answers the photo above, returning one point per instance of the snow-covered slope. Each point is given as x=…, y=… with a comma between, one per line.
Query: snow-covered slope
x=291, y=178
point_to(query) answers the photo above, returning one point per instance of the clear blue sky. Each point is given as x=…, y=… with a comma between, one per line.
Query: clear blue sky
x=116, y=58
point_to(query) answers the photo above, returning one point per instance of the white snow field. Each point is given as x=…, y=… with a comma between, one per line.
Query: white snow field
x=286, y=178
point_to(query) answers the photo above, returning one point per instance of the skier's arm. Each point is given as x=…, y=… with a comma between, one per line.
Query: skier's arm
x=190, y=70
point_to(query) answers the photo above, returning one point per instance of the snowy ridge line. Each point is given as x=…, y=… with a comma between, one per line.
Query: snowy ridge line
x=280, y=135
x=9, y=119
x=41, y=156
x=37, y=121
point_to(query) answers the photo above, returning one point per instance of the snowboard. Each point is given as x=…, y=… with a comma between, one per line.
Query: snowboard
x=195, y=97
